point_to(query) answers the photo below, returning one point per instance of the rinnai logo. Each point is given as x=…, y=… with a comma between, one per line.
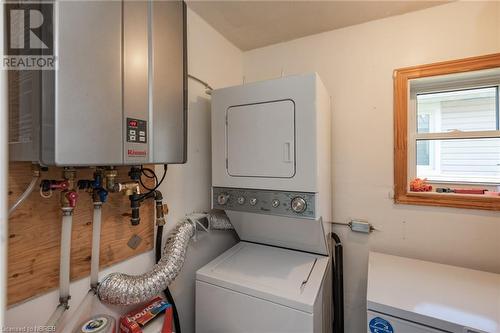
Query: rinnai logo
x=133, y=152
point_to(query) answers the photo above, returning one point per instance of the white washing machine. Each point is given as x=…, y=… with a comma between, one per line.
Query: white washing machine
x=260, y=288
x=271, y=149
x=414, y=296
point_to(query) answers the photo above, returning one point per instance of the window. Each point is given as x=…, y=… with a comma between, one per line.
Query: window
x=447, y=131
x=457, y=135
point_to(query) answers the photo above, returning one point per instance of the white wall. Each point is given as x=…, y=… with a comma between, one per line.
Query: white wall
x=186, y=187
x=356, y=64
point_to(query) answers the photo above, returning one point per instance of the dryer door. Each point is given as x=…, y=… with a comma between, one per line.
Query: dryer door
x=261, y=140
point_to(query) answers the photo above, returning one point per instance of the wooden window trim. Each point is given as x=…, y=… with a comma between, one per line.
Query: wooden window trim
x=401, y=94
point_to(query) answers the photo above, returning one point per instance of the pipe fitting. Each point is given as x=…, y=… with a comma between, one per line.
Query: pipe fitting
x=35, y=168
x=110, y=178
x=135, y=204
x=64, y=301
x=69, y=173
x=135, y=173
x=94, y=187
x=67, y=211
x=132, y=189
x=69, y=198
x=129, y=188
x=160, y=213
x=99, y=195
x=48, y=185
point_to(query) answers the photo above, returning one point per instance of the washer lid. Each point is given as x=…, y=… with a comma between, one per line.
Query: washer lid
x=286, y=277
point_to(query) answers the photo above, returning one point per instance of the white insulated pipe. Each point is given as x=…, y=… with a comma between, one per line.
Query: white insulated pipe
x=96, y=242
x=64, y=269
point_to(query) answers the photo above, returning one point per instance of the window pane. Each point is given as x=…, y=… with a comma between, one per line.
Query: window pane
x=464, y=110
x=423, y=157
x=464, y=160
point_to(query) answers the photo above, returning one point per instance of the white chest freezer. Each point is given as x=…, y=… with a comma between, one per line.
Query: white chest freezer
x=414, y=296
x=260, y=288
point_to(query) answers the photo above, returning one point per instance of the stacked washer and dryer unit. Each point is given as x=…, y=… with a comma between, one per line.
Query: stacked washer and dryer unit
x=271, y=151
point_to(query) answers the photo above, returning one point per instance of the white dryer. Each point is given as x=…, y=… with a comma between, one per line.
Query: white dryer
x=271, y=148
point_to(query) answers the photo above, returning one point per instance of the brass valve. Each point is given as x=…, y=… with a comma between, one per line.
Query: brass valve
x=110, y=178
x=69, y=196
x=69, y=174
x=128, y=188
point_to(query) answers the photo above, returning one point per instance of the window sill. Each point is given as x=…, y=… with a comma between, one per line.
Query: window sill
x=470, y=201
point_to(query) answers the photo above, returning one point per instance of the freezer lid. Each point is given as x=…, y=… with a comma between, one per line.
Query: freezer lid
x=449, y=298
x=282, y=276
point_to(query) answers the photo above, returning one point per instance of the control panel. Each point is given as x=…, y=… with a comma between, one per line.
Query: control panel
x=293, y=204
x=136, y=131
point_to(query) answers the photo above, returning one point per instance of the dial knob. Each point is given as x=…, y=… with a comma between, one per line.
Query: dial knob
x=241, y=200
x=253, y=201
x=222, y=198
x=275, y=203
x=299, y=205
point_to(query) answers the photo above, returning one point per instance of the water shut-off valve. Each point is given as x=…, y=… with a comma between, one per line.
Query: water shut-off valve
x=95, y=187
x=48, y=185
x=66, y=185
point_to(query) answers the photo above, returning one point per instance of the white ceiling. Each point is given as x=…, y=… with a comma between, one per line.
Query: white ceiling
x=251, y=24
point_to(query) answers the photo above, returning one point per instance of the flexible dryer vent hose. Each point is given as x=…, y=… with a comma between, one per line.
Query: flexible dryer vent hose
x=124, y=289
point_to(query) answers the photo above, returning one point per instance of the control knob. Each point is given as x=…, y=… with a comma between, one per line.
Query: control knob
x=222, y=198
x=241, y=200
x=253, y=201
x=299, y=205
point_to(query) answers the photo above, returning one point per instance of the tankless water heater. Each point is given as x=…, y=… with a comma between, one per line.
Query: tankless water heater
x=118, y=93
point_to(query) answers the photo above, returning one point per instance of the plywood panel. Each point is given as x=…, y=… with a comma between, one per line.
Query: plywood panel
x=34, y=233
